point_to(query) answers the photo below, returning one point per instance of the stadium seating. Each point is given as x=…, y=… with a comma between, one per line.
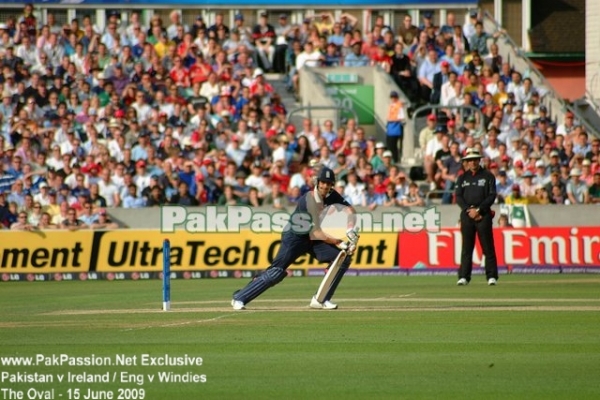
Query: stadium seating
x=195, y=107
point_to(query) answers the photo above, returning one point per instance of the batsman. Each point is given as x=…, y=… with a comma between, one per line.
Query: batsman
x=325, y=247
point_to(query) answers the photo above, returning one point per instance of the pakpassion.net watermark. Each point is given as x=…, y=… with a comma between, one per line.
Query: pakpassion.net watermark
x=221, y=219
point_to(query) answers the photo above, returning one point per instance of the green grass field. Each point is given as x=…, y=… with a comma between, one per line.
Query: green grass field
x=530, y=337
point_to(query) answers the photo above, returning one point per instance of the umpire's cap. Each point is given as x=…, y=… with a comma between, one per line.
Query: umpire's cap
x=326, y=175
x=472, y=154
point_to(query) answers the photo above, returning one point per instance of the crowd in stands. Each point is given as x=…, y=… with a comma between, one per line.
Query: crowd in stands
x=141, y=116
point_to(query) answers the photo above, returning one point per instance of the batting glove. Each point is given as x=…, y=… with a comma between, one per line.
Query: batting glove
x=352, y=235
x=343, y=246
x=351, y=249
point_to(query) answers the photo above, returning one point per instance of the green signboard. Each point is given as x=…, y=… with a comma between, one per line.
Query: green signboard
x=341, y=78
x=360, y=98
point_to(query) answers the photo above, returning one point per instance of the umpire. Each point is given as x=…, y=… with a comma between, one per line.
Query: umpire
x=475, y=194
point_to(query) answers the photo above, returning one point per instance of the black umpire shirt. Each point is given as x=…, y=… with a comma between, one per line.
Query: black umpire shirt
x=476, y=190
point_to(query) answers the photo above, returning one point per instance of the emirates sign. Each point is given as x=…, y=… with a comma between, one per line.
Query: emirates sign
x=547, y=247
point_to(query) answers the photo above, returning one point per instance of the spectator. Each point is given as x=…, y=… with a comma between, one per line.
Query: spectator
x=557, y=196
x=142, y=177
x=331, y=58
x=567, y=126
x=17, y=194
x=309, y=57
x=516, y=197
x=35, y=215
x=381, y=58
x=108, y=189
x=450, y=168
x=61, y=215
x=581, y=144
x=255, y=180
x=594, y=189
x=479, y=39
x=469, y=26
x=439, y=80
x=504, y=186
x=408, y=33
x=356, y=58
x=156, y=197
x=43, y=196
x=72, y=223
x=46, y=222
x=263, y=35
x=376, y=161
x=427, y=21
x=402, y=185
x=503, y=221
x=94, y=197
x=427, y=71
x=413, y=198
x=183, y=197
x=433, y=146
x=241, y=189
x=541, y=195
x=594, y=152
x=373, y=199
x=131, y=199
x=275, y=198
x=253, y=198
x=577, y=190
x=52, y=207
x=21, y=224
x=449, y=92
x=391, y=196
x=354, y=190
x=88, y=216
x=228, y=197
x=556, y=181
x=527, y=185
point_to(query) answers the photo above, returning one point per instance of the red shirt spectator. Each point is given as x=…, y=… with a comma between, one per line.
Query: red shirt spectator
x=369, y=47
x=180, y=74
x=259, y=83
x=185, y=45
x=378, y=184
x=200, y=70
x=174, y=97
x=382, y=59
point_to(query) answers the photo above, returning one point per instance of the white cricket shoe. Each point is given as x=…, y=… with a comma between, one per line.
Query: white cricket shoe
x=462, y=282
x=329, y=305
x=315, y=304
x=238, y=305
x=492, y=282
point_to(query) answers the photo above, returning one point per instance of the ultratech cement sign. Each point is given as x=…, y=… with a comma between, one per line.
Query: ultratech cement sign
x=141, y=251
x=45, y=252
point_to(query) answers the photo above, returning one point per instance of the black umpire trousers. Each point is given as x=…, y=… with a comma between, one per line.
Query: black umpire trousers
x=471, y=229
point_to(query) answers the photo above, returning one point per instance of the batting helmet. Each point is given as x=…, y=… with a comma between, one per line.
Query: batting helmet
x=326, y=175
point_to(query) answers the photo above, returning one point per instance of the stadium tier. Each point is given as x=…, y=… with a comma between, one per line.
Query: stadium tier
x=106, y=108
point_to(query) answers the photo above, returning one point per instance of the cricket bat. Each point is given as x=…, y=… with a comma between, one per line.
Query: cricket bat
x=330, y=275
x=334, y=223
